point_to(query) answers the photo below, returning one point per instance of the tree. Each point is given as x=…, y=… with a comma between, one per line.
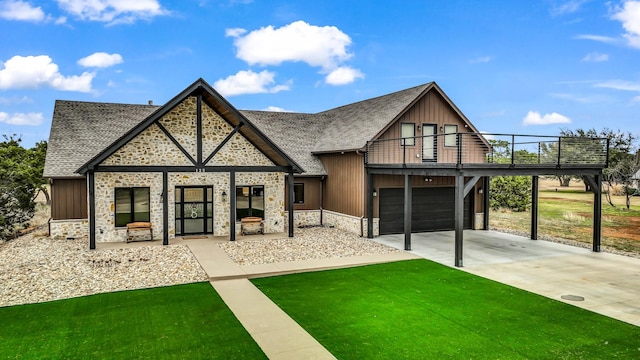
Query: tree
x=20, y=178
x=510, y=192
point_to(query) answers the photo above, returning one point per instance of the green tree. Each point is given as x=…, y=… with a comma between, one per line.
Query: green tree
x=20, y=179
x=510, y=192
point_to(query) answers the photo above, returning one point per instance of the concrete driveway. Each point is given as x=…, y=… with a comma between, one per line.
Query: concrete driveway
x=601, y=282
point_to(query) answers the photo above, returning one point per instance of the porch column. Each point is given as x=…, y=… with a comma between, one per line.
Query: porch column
x=485, y=200
x=459, y=218
x=407, y=211
x=369, y=205
x=165, y=208
x=92, y=209
x=290, y=203
x=597, y=213
x=232, y=206
x=534, y=208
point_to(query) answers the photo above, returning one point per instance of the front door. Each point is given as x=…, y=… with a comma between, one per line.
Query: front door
x=194, y=210
x=429, y=143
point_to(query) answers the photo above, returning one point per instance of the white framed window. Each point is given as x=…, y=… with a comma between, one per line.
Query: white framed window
x=408, y=133
x=450, y=135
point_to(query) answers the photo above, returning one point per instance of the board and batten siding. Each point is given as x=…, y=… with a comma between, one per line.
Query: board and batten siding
x=431, y=109
x=345, y=184
x=69, y=199
x=312, y=193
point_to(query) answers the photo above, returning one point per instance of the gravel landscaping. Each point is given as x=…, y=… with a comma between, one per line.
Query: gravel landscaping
x=308, y=243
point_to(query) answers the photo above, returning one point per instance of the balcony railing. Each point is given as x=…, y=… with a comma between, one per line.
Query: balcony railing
x=481, y=148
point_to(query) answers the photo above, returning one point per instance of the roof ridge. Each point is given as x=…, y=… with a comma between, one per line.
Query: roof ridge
x=425, y=85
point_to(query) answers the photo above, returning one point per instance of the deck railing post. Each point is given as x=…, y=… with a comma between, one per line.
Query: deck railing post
x=366, y=154
x=607, y=161
x=539, y=153
x=459, y=138
x=559, y=151
x=513, y=144
x=404, y=152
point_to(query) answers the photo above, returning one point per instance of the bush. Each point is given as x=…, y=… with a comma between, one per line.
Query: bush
x=510, y=192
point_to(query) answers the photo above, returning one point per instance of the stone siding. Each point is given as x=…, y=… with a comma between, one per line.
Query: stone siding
x=181, y=122
x=238, y=151
x=215, y=131
x=273, y=197
x=68, y=229
x=349, y=223
x=479, y=222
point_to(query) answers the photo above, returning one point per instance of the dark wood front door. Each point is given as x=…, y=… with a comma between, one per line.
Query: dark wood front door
x=194, y=210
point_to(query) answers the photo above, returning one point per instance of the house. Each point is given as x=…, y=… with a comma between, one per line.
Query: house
x=399, y=163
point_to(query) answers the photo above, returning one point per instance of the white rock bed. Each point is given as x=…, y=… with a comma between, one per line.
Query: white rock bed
x=309, y=243
x=36, y=268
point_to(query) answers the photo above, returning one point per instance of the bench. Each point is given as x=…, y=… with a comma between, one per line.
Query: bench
x=251, y=225
x=135, y=229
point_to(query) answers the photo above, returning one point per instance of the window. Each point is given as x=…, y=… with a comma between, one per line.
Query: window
x=451, y=137
x=249, y=201
x=131, y=205
x=408, y=133
x=298, y=193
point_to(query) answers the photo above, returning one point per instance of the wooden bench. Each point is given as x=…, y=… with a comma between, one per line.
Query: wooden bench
x=135, y=228
x=251, y=225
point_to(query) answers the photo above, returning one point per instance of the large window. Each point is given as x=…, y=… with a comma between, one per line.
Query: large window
x=298, y=193
x=131, y=205
x=249, y=201
x=450, y=137
x=408, y=133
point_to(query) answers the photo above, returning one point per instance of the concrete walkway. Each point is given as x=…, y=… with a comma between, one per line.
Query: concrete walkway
x=609, y=284
x=279, y=336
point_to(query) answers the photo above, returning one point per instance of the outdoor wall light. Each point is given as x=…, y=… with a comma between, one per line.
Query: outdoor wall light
x=418, y=127
x=480, y=191
x=375, y=193
x=224, y=196
x=428, y=179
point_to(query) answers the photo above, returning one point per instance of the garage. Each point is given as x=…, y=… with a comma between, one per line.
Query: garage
x=432, y=210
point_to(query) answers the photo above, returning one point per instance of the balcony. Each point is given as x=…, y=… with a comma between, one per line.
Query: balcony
x=490, y=151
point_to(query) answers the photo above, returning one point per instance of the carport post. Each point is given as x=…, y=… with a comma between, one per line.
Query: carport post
x=407, y=212
x=485, y=198
x=534, y=208
x=369, y=205
x=290, y=203
x=597, y=213
x=459, y=218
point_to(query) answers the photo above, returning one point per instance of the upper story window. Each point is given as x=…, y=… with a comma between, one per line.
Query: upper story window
x=131, y=205
x=450, y=137
x=408, y=133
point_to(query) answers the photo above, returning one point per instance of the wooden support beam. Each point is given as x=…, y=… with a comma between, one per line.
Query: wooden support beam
x=468, y=186
x=369, y=205
x=534, y=208
x=589, y=180
x=459, y=218
x=407, y=211
x=597, y=213
x=165, y=208
x=485, y=197
x=291, y=198
x=232, y=206
x=92, y=209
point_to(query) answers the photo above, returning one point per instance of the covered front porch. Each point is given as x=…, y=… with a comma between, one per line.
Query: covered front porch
x=470, y=158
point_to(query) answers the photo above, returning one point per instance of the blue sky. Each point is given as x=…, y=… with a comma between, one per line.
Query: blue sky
x=526, y=67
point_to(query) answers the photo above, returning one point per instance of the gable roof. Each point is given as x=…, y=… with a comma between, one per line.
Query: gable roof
x=222, y=107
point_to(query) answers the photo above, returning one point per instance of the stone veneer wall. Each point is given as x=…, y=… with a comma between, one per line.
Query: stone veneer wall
x=65, y=229
x=479, y=223
x=302, y=218
x=349, y=223
x=105, y=202
x=273, y=197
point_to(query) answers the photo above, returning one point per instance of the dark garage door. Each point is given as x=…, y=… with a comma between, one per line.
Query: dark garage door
x=432, y=210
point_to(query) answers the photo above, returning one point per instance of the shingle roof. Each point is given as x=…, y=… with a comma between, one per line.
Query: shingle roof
x=80, y=130
x=354, y=124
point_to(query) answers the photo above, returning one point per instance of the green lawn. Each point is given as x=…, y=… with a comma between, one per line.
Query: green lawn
x=186, y=321
x=422, y=310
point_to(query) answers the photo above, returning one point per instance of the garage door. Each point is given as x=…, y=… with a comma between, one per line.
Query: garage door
x=432, y=210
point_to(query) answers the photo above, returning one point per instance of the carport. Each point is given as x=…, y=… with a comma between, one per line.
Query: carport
x=583, y=157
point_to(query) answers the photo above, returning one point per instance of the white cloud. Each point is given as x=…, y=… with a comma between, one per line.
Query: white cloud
x=534, y=118
x=100, y=60
x=636, y=99
x=567, y=7
x=15, y=100
x=343, y=75
x=599, y=38
x=20, y=10
x=595, y=57
x=248, y=82
x=31, y=119
x=30, y=72
x=234, y=32
x=324, y=47
x=113, y=11
x=629, y=15
x=275, y=109
x=487, y=135
x=619, y=85
x=480, y=60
